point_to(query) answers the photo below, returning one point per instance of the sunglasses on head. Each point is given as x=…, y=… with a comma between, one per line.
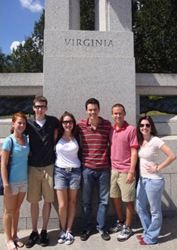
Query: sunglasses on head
x=147, y=125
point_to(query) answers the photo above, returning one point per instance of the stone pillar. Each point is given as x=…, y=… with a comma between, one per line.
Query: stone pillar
x=81, y=64
x=57, y=15
x=111, y=15
x=74, y=10
x=119, y=15
x=62, y=15
x=101, y=15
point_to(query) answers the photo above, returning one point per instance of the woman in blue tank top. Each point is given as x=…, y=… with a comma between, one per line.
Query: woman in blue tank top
x=14, y=178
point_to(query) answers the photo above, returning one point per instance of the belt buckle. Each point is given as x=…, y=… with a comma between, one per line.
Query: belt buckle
x=68, y=169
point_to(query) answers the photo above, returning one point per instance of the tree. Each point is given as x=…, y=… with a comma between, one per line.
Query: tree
x=2, y=60
x=155, y=38
x=87, y=14
x=155, y=35
x=3, y=66
x=29, y=57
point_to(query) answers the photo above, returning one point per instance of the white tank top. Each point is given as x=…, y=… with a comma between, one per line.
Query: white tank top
x=67, y=154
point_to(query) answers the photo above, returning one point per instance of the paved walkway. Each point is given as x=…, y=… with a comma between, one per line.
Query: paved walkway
x=167, y=239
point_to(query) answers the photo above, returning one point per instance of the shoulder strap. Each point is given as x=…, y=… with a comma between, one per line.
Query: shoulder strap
x=8, y=165
x=12, y=144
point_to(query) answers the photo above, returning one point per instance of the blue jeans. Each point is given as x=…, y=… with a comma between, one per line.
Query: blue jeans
x=150, y=190
x=67, y=179
x=91, y=177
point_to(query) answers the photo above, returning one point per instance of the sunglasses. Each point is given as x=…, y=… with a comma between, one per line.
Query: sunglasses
x=147, y=125
x=40, y=107
x=66, y=122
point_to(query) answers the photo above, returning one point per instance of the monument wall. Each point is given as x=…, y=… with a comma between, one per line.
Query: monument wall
x=81, y=64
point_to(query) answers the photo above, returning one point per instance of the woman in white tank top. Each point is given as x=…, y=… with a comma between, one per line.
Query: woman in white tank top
x=67, y=175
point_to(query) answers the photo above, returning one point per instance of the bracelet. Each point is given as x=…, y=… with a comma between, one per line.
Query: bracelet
x=6, y=185
x=131, y=173
x=157, y=169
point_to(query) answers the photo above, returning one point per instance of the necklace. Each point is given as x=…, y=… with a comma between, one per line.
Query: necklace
x=146, y=141
x=67, y=138
x=20, y=140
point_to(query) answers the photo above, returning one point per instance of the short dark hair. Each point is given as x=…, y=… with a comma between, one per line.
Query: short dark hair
x=118, y=105
x=61, y=129
x=92, y=101
x=153, y=128
x=40, y=99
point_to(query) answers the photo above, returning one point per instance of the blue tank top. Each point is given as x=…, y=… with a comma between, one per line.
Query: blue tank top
x=18, y=164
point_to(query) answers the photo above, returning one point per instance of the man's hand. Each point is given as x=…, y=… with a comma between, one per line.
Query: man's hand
x=130, y=178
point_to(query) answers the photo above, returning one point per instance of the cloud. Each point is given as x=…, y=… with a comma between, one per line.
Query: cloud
x=33, y=5
x=15, y=44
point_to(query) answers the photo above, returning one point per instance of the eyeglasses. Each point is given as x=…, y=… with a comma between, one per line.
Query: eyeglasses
x=147, y=125
x=66, y=122
x=40, y=107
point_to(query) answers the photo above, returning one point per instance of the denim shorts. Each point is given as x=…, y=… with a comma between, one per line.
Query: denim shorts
x=64, y=179
x=18, y=187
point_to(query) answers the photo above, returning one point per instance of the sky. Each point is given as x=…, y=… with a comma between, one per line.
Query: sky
x=17, y=18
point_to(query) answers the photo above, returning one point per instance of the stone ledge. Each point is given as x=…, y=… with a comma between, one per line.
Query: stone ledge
x=169, y=137
x=21, y=79
x=155, y=80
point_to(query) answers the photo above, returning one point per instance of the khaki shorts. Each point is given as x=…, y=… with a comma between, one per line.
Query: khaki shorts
x=40, y=183
x=119, y=188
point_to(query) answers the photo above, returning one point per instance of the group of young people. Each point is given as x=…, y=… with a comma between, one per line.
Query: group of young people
x=61, y=154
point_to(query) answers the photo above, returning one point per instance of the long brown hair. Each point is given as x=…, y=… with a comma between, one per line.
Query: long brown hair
x=153, y=128
x=61, y=129
x=15, y=117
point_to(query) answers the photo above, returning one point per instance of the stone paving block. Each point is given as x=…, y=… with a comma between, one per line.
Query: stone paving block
x=166, y=128
x=173, y=191
x=1, y=226
x=4, y=130
x=167, y=239
x=25, y=209
x=1, y=206
x=171, y=142
x=22, y=223
x=166, y=198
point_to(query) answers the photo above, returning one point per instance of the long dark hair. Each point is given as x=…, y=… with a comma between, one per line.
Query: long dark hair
x=153, y=128
x=61, y=129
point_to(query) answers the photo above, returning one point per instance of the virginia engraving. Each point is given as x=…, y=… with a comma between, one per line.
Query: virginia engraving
x=89, y=42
